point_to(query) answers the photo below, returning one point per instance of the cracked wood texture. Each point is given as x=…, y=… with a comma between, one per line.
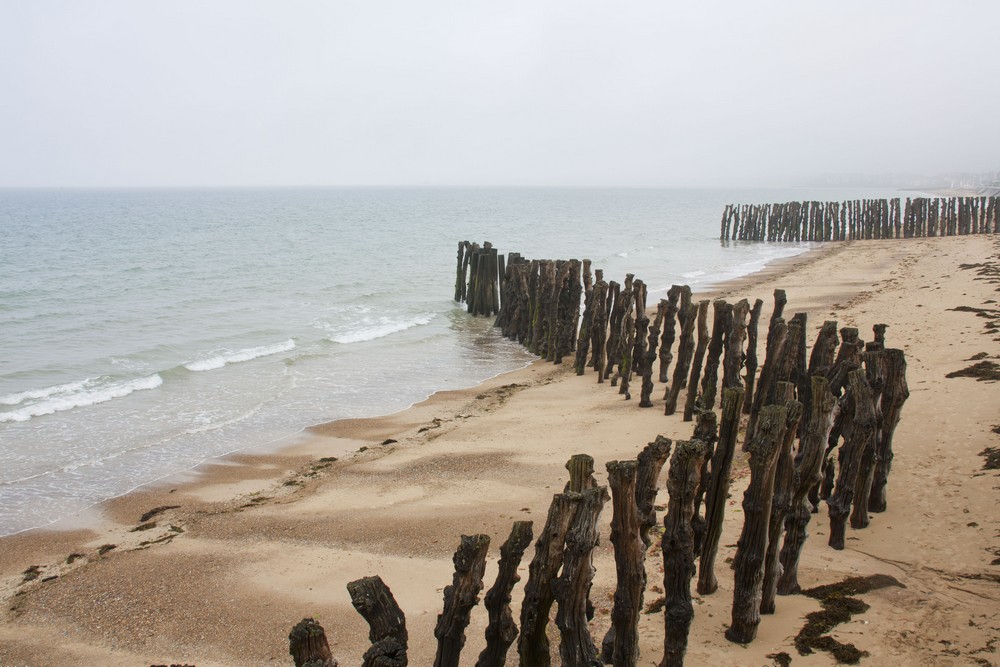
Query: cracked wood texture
x=386, y=621
x=718, y=488
x=862, y=434
x=748, y=565
x=722, y=319
x=308, y=646
x=501, y=631
x=459, y=598
x=685, y=351
x=651, y=460
x=572, y=588
x=751, y=360
x=669, y=321
x=678, y=549
x=894, y=395
x=621, y=643
x=696, y=363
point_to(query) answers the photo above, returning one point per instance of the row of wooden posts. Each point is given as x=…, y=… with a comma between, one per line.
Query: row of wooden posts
x=861, y=219
x=820, y=426
x=477, y=278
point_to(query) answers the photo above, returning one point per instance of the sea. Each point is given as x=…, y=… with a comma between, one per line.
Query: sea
x=145, y=331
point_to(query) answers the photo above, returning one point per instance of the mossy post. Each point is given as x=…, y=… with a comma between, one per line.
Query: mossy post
x=678, y=549
x=807, y=475
x=748, y=565
x=621, y=643
x=501, y=631
x=862, y=434
x=387, y=624
x=718, y=488
x=459, y=598
x=572, y=587
x=308, y=646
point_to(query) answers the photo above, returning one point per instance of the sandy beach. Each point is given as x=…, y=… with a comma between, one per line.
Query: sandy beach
x=215, y=567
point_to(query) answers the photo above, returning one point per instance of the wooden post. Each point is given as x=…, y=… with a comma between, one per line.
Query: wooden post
x=666, y=356
x=572, y=588
x=807, y=474
x=782, y=497
x=862, y=433
x=459, y=273
x=599, y=326
x=718, y=488
x=722, y=320
x=894, y=395
x=678, y=549
x=533, y=643
x=459, y=598
x=824, y=349
x=751, y=360
x=685, y=350
x=387, y=624
x=748, y=565
x=501, y=631
x=770, y=374
x=733, y=360
x=651, y=461
x=621, y=644
x=649, y=358
x=706, y=430
x=696, y=363
x=308, y=646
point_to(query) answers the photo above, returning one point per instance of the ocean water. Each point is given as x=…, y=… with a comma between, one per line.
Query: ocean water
x=145, y=331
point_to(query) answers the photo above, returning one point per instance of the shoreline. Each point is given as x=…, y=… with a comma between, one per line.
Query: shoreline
x=457, y=440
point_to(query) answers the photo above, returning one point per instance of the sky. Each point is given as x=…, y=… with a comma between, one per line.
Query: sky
x=514, y=93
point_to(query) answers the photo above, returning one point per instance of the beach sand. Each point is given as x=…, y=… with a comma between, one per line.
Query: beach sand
x=255, y=542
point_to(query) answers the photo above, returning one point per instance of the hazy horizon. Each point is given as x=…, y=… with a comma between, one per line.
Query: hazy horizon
x=473, y=94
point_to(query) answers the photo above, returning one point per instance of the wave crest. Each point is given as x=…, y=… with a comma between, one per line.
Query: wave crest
x=383, y=326
x=78, y=399
x=237, y=356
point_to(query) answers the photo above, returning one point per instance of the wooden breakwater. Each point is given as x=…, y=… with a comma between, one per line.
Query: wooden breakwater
x=842, y=403
x=861, y=219
x=477, y=277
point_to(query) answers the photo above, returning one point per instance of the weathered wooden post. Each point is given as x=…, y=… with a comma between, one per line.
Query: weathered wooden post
x=649, y=357
x=678, y=549
x=669, y=317
x=387, y=624
x=459, y=598
x=308, y=646
x=685, y=350
x=718, y=488
x=751, y=360
x=621, y=644
x=748, y=565
x=501, y=631
x=599, y=326
x=533, y=643
x=696, y=363
x=894, y=395
x=706, y=430
x=459, y=273
x=572, y=588
x=722, y=316
x=732, y=362
x=862, y=434
x=651, y=461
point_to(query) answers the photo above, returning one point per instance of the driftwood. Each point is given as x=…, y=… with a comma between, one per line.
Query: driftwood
x=696, y=363
x=894, y=395
x=621, y=643
x=862, y=434
x=722, y=320
x=651, y=461
x=387, y=624
x=782, y=497
x=751, y=360
x=748, y=565
x=533, y=643
x=459, y=598
x=308, y=646
x=501, y=631
x=808, y=473
x=718, y=488
x=572, y=588
x=678, y=549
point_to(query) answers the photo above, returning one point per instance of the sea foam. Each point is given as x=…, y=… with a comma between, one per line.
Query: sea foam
x=220, y=360
x=384, y=326
x=79, y=399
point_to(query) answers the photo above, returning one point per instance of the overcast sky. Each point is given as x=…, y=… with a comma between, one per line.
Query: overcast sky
x=511, y=92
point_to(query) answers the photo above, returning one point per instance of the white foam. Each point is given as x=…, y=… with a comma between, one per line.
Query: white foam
x=384, y=326
x=35, y=394
x=622, y=254
x=220, y=360
x=81, y=399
